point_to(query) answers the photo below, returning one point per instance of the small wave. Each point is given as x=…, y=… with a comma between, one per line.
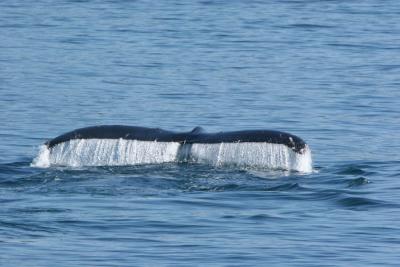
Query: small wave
x=286, y=187
x=26, y=226
x=263, y=217
x=358, y=182
x=217, y=188
x=119, y=152
x=351, y=170
x=308, y=26
x=359, y=202
x=14, y=167
x=34, y=210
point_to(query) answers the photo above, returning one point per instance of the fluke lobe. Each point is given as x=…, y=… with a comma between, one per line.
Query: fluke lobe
x=196, y=136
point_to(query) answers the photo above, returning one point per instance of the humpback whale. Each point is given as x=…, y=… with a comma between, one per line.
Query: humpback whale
x=124, y=145
x=197, y=135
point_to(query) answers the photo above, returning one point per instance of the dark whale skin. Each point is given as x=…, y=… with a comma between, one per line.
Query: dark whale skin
x=197, y=135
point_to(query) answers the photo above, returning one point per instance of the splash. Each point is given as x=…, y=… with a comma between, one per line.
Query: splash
x=109, y=152
x=262, y=155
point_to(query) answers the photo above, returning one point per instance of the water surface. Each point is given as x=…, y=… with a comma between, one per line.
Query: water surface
x=326, y=71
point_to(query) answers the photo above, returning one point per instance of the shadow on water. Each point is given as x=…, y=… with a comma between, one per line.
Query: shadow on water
x=347, y=186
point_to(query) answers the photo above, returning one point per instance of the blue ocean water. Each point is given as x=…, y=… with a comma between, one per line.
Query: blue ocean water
x=328, y=71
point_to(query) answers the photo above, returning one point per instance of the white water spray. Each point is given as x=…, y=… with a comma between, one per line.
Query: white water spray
x=107, y=152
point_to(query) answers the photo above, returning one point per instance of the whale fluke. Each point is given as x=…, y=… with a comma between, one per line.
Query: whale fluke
x=124, y=145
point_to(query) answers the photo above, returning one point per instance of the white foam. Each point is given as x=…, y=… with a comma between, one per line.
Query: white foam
x=105, y=152
x=42, y=160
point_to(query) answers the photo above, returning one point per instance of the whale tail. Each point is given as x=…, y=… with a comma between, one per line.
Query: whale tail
x=127, y=145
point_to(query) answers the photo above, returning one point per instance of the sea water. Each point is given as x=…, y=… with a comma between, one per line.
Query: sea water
x=326, y=71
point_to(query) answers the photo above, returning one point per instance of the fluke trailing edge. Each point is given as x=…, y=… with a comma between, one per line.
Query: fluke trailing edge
x=196, y=136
